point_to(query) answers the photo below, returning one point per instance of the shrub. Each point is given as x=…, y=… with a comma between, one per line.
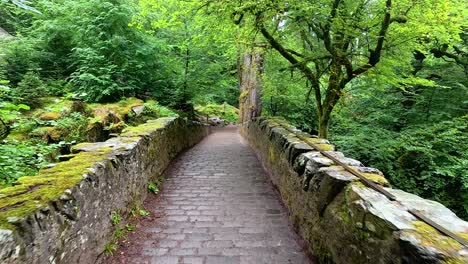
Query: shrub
x=29, y=90
x=429, y=161
x=74, y=127
x=58, y=87
x=23, y=158
x=20, y=58
x=224, y=111
x=154, y=108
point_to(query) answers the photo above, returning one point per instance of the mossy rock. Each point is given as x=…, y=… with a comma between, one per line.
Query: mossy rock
x=32, y=193
x=96, y=132
x=40, y=131
x=121, y=109
x=49, y=134
x=376, y=178
x=17, y=136
x=429, y=237
x=52, y=105
x=55, y=133
x=116, y=127
x=145, y=129
x=80, y=107
x=50, y=116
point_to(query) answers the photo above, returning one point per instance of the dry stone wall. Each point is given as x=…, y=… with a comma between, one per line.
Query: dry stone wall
x=63, y=215
x=342, y=220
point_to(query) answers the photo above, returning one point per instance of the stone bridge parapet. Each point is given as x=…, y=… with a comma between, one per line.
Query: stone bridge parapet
x=63, y=215
x=342, y=220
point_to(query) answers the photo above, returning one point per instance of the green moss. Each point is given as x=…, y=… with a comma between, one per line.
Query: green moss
x=54, y=133
x=66, y=157
x=278, y=122
x=321, y=251
x=40, y=131
x=52, y=105
x=31, y=193
x=271, y=153
x=224, y=111
x=463, y=235
x=76, y=148
x=50, y=116
x=376, y=178
x=117, y=127
x=359, y=184
x=325, y=147
x=121, y=108
x=430, y=237
x=244, y=94
x=144, y=130
x=344, y=214
x=129, y=139
x=17, y=136
x=453, y=261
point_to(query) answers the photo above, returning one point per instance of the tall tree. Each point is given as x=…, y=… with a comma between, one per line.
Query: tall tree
x=201, y=51
x=334, y=42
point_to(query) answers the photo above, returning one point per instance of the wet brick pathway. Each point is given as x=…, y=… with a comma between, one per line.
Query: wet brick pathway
x=217, y=206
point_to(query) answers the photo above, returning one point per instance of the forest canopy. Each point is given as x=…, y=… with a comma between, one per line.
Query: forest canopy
x=386, y=81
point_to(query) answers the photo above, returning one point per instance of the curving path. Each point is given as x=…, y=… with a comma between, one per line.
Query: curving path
x=217, y=206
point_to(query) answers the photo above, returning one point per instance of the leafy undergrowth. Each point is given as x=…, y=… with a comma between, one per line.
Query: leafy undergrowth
x=39, y=136
x=224, y=111
x=20, y=158
x=428, y=161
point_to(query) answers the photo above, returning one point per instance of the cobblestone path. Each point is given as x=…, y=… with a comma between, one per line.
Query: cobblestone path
x=217, y=206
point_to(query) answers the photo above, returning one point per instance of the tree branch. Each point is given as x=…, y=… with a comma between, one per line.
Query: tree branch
x=289, y=56
x=376, y=53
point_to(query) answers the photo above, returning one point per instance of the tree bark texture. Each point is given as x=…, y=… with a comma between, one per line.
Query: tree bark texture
x=250, y=83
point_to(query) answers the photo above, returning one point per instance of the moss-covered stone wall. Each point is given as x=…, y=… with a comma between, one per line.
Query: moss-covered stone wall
x=342, y=220
x=63, y=215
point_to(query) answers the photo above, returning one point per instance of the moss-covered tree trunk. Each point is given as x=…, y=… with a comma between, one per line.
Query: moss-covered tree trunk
x=250, y=83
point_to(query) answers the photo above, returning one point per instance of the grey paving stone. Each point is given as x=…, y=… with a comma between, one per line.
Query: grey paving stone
x=164, y=260
x=192, y=260
x=217, y=206
x=222, y=260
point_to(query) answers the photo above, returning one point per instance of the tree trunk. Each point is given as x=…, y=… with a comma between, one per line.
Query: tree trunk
x=251, y=85
x=324, y=121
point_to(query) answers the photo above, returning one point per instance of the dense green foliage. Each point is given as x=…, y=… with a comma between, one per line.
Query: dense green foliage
x=226, y=112
x=100, y=52
x=385, y=80
x=430, y=161
x=23, y=159
x=107, y=50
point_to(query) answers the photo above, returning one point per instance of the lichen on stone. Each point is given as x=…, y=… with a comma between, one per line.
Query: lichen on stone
x=325, y=147
x=376, y=178
x=271, y=153
x=430, y=237
x=452, y=260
